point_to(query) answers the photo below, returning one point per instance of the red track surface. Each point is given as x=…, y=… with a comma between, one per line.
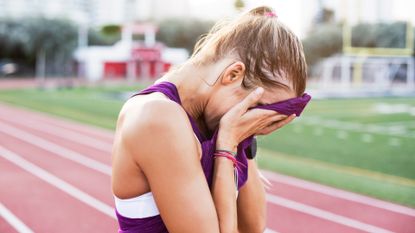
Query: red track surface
x=55, y=178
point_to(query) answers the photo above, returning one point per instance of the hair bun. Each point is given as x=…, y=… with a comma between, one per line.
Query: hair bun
x=261, y=11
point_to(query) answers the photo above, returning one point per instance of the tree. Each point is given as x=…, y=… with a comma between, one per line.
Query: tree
x=239, y=5
x=182, y=32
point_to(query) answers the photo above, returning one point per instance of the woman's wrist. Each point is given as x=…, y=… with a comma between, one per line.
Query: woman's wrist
x=226, y=145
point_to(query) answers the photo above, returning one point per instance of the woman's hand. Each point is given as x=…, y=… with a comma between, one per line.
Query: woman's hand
x=239, y=122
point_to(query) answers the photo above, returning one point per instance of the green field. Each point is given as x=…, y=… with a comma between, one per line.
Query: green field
x=352, y=144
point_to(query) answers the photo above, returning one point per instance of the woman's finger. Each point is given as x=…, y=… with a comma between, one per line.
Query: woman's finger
x=269, y=129
x=260, y=113
x=250, y=100
x=286, y=121
x=278, y=117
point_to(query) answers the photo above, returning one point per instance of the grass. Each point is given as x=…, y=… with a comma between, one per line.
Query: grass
x=379, y=185
x=376, y=163
x=92, y=105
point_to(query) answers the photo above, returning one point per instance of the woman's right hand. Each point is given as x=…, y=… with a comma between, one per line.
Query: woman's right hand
x=239, y=122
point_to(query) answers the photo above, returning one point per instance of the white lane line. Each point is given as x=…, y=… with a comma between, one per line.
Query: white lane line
x=62, y=133
x=57, y=121
x=15, y=222
x=324, y=214
x=269, y=231
x=57, y=182
x=60, y=184
x=337, y=193
x=31, y=137
x=55, y=148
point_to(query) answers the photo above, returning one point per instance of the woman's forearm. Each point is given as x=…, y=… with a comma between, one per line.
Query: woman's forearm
x=251, y=203
x=224, y=192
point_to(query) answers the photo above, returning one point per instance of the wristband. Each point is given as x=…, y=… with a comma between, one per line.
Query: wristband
x=228, y=151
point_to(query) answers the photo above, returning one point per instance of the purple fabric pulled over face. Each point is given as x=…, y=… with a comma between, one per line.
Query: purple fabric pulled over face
x=286, y=107
x=289, y=106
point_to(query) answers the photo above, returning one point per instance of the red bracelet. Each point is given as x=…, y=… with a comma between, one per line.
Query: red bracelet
x=227, y=155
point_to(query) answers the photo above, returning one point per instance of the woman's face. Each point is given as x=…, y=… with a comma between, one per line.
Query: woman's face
x=229, y=92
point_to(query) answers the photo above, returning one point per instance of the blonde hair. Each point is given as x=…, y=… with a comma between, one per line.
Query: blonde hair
x=269, y=50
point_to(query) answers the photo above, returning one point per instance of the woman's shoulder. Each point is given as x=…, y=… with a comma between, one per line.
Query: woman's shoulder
x=149, y=113
x=155, y=126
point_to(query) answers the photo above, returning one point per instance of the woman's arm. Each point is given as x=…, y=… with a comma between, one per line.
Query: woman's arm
x=251, y=203
x=236, y=125
x=161, y=141
x=224, y=192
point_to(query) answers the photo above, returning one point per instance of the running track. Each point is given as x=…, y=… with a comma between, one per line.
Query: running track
x=55, y=177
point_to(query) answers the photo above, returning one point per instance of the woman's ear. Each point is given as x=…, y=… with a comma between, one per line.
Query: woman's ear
x=234, y=73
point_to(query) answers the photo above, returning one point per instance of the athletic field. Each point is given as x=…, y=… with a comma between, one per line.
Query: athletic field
x=56, y=170
x=362, y=145
x=55, y=174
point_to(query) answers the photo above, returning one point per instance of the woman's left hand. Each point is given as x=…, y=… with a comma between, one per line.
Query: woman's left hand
x=276, y=125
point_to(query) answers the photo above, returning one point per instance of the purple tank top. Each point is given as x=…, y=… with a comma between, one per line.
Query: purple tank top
x=155, y=224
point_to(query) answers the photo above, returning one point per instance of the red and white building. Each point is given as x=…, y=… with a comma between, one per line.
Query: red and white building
x=129, y=59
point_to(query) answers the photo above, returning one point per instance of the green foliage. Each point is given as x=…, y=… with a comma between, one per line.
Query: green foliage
x=111, y=30
x=239, y=4
x=108, y=34
x=383, y=35
x=22, y=39
x=324, y=41
x=96, y=37
x=182, y=33
x=26, y=37
x=327, y=39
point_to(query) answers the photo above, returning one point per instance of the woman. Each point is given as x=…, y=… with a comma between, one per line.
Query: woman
x=165, y=178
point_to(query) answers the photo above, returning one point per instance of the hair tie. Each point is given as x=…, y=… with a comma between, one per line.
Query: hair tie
x=270, y=14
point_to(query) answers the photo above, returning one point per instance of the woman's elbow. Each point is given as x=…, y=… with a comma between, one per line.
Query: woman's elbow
x=255, y=226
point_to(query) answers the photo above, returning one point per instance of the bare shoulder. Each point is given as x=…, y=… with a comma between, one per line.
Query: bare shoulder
x=140, y=114
x=154, y=126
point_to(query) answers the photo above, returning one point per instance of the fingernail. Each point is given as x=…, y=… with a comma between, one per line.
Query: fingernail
x=259, y=90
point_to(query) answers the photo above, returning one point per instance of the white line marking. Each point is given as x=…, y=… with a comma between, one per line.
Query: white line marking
x=15, y=222
x=318, y=131
x=356, y=127
x=367, y=138
x=342, y=134
x=407, y=123
x=57, y=121
x=55, y=149
x=297, y=129
x=394, y=142
x=269, y=231
x=57, y=182
x=315, y=187
x=337, y=193
x=62, y=185
x=324, y=214
x=62, y=133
